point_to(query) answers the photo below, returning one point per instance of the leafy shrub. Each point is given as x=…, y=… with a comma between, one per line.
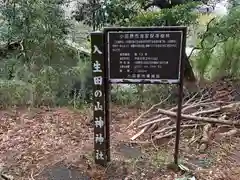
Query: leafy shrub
x=142, y=95
x=14, y=92
x=219, y=47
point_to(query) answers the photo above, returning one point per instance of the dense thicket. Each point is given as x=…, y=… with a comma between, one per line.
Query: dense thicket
x=40, y=67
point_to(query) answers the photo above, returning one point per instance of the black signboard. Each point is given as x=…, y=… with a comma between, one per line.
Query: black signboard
x=145, y=55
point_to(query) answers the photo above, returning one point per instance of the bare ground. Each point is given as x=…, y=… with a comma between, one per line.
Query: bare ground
x=33, y=140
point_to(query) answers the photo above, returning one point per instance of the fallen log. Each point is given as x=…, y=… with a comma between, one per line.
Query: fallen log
x=186, y=108
x=204, y=119
x=139, y=133
x=174, y=127
x=226, y=107
x=229, y=133
x=159, y=137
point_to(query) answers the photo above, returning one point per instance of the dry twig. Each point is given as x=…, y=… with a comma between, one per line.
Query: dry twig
x=154, y=106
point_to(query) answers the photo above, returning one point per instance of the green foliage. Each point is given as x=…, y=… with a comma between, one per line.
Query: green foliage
x=42, y=60
x=219, y=55
x=181, y=15
x=202, y=61
x=221, y=29
x=120, y=11
x=110, y=12
x=224, y=60
x=124, y=96
x=234, y=3
x=142, y=95
x=42, y=67
x=14, y=93
x=130, y=13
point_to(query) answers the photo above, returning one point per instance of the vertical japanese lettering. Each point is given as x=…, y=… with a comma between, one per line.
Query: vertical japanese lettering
x=99, y=122
x=100, y=146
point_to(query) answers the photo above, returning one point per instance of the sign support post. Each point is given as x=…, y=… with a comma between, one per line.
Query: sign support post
x=107, y=99
x=180, y=99
x=101, y=132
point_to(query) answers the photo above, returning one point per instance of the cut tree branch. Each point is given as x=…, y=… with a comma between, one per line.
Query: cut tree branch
x=194, y=114
x=158, y=104
x=204, y=119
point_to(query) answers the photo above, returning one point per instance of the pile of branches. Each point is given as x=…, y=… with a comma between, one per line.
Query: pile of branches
x=201, y=110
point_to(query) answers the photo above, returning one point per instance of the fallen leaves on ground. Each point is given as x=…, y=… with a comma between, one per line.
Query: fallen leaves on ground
x=32, y=140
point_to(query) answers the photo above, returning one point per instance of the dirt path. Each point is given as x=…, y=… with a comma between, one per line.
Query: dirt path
x=48, y=142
